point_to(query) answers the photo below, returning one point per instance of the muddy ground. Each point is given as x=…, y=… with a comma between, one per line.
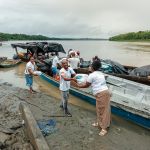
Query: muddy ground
x=73, y=133
x=12, y=135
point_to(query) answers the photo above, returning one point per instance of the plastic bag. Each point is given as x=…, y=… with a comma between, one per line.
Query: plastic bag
x=81, y=78
x=38, y=73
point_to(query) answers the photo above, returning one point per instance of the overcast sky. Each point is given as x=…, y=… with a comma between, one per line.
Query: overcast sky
x=74, y=18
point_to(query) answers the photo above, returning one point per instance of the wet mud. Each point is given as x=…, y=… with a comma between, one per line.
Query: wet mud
x=73, y=133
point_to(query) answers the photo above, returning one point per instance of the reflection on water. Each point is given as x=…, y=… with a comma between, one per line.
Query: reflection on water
x=126, y=53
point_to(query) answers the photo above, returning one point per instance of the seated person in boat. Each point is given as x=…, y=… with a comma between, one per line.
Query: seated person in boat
x=74, y=62
x=77, y=53
x=55, y=64
x=69, y=53
x=95, y=58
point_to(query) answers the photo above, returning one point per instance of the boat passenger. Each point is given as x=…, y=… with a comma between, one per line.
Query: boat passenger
x=95, y=58
x=70, y=53
x=65, y=78
x=55, y=64
x=74, y=62
x=29, y=73
x=100, y=90
x=77, y=54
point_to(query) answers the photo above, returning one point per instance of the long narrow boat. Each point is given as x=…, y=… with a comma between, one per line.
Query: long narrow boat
x=143, y=80
x=9, y=63
x=2, y=59
x=129, y=100
x=36, y=49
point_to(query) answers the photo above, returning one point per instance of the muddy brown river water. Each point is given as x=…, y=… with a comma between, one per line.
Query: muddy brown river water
x=137, y=54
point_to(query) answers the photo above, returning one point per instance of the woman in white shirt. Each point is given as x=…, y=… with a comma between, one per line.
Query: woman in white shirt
x=29, y=72
x=100, y=90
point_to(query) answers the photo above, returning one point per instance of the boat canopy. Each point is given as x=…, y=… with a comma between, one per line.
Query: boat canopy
x=43, y=47
x=53, y=47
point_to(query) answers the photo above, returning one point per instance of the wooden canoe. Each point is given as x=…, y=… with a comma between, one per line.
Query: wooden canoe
x=9, y=63
x=2, y=59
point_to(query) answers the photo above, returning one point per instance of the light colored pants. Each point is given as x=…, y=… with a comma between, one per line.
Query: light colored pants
x=64, y=98
x=103, y=109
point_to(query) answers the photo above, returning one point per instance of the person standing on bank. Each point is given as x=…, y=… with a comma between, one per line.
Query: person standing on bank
x=100, y=90
x=65, y=78
x=29, y=73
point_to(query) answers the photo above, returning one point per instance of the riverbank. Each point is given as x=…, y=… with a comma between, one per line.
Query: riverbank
x=73, y=133
x=132, y=36
x=11, y=126
x=20, y=37
x=142, y=41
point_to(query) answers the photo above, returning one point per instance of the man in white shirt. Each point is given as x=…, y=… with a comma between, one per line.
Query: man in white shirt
x=65, y=78
x=74, y=62
x=55, y=64
x=77, y=53
x=29, y=72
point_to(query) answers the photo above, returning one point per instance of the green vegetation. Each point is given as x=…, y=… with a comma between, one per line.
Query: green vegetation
x=8, y=37
x=132, y=36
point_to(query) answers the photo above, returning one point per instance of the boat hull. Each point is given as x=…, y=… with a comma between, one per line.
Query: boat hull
x=116, y=109
x=143, y=80
x=4, y=65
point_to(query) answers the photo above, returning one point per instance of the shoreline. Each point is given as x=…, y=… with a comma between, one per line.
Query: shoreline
x=12, y=134
x=58, y=40
x=129, y=41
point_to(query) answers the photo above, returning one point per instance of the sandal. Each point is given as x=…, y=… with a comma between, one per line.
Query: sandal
x=103, y=132
x=95, y=124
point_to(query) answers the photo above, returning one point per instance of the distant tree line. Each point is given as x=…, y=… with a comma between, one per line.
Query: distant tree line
x=141, y=35
x=7, y=37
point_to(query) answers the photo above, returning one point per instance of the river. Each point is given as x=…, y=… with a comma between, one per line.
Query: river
x=133, y=53
x=136, y=54
x=126, y=53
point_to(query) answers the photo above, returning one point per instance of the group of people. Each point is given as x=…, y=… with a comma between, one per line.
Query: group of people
x=73, y=58
x=67, y=74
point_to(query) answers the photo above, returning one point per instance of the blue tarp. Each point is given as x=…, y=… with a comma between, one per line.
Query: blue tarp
x=47, y=127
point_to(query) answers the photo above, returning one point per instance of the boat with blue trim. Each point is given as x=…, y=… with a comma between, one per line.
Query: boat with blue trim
x=129, y=100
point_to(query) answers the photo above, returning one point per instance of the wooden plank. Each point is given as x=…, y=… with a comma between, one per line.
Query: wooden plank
x=33, y=131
